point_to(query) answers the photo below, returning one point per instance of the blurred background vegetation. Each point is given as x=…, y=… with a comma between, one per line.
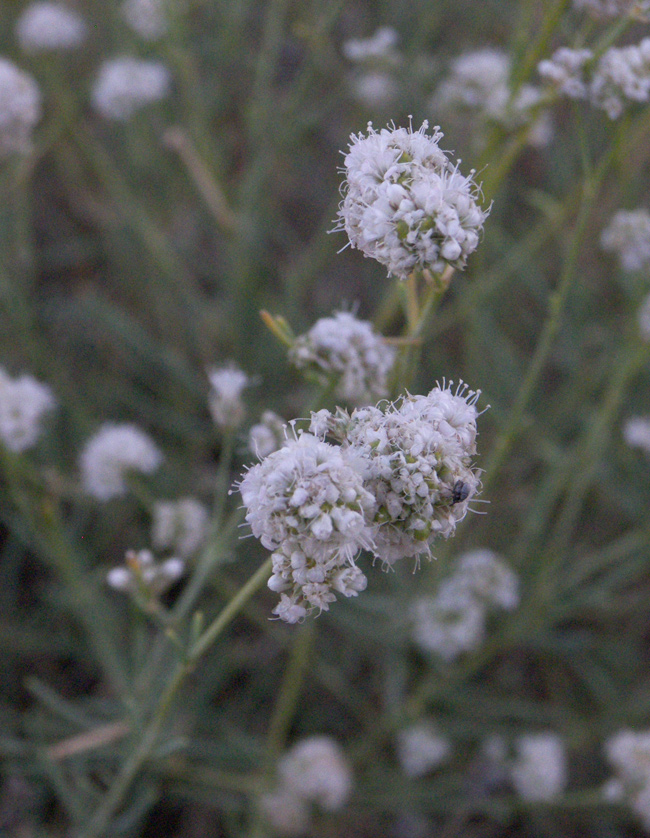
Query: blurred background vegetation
x=136, y=254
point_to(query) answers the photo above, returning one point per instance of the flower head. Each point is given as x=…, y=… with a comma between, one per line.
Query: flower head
x=267, y=435
x=488, y=578
x=420, y=748
x=448, y=623
x=147, y=18
x=316, y=770
x=622, y=75
x=23, y=404
x=350, y=351
x=20, y=108
x=539, y=770
x=227, y=385
x=142, y=575
x=406, y=205
x=109, y=455
x=179, y=525
x=49, y=26
x=565, y=71
x=125, y=85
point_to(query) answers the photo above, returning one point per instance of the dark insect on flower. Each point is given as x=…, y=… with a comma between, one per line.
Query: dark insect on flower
x=460, y=492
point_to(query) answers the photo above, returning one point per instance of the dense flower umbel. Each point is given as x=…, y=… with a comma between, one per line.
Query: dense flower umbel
x=416, y=457
x=628, y=235
x=23, y=404
x=565, y=71
x=148, y=18
x=179, y=525
x=109, y=455
x=316, y=770
x=349, y=350
x=125, y=85
x=50, y=26
x=20, y=108
x=307, y=502
x=539, y=772
x=406, y=205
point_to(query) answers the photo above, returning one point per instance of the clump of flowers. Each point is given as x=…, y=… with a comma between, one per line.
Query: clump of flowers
x=349, y=351
x=628, y=235
x=565, y=70
x=452, y=621
x=142, y=576
x=50, y=26
x=23, y=405
x=406, y=204
x=629, y=754
x=539, y=770
x=267, y=435
x=179, y=525
x=125, y=85
x=225, y=399
x=376, y=59
x=111, y=454
x=621, y=76
x=420, y=748
x=20, y=109
x=307, y=503
x=147, y=18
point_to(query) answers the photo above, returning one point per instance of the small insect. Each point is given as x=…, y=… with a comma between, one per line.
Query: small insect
x=459, y=492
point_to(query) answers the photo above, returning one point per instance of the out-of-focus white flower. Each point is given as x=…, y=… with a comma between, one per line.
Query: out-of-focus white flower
x=23, y=404
x=374, y=88
x=488, y=578
x=109, y=455
x=636, y=433
x=416, y=457
x=142, y=575
x=539, y=771
x=603, y=9
x=147, y=18
x=380, y=46
x=643, y=318
x=448, y=623
x=267, y=435
x=285, y=812
x=316, y=770
x=565, y=71
x=406, y=205
x=629, y=754
x=125, y=85
x=179, y=525
x=622, y=75
x=20, y=109
x=349, y=350
x=225, y=399
x=421, y=748
x=50, y=26
x=307, y=502
x=628, y=235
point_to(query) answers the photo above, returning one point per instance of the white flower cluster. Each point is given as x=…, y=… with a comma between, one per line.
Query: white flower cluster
x=406, y=205
x=179, y=525
x=307, y=502
x=378, y=47
x=147, y=18
x=349, y=351
x=479, y=83
x=225, y=399
x=141, y=575
x=628, y=235
x=376, y=59
x=453, y=620
x=50, y=26
x=23, y=404
x=621, y=76
x=313, y=771
x=629, y=754
x=125, y=85
x=636, y=433
x=603, y=9
x=267, y=435
x=420, y=748
x=20, y=109
x=109, y=455
x=539, y=770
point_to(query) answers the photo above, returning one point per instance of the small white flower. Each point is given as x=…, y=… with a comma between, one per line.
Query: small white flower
x=539, y=771
x=50, y=26
x=285, y=812
x=147, y=18
x=109, y=455
x=347, y=350
x=225, y=399
x=621, y=76
x=379, y=47
x=636, y=433
x=316, y=770
x=406, y=205
x=179, y=525
x=421, y=748
x=628, y=235
x=23, y=405
x=267, y=435
x=20, y=109
x=565, y=71
x=449, y=623
x=142, y=575
x=125, y=85
x=488, y=578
